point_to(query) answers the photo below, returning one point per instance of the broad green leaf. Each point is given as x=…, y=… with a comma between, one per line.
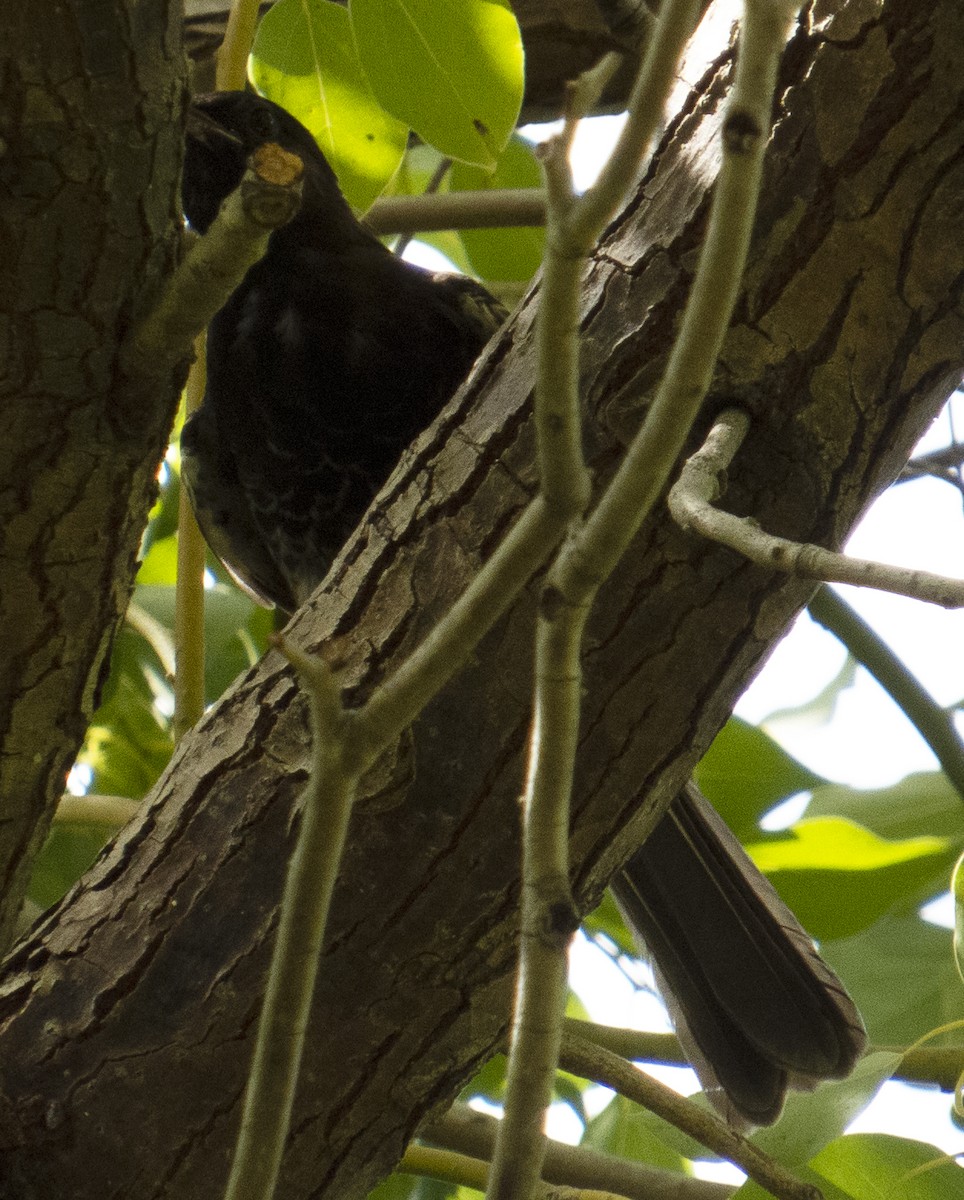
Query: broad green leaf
x=901, y=974
x=399, y=1186
x=488, y=1082
x=745, y=774
x=569, y=1090
x=230, y=647
x=451, y=69
x=924, y=802
x=751, y=1190
x=128, y=743
x=877, y=1166
x=839, y=878
x=160, y=562
x=810, y=1120
x=304, y=59
x=510, y=253
x=625, y=1130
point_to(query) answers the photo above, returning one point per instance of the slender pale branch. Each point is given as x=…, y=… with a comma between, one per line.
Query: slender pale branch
x=268, y=197
x=94, y=809
x=473, y=1133
x=189, y=590
x=645, y=111
x=231, y=71
x=691, y=502
x=448, y=1165
x=591, y=1061
x=547, y=917
x=397, y=702
x=655, y=449
x=303, y=917
x=487, y=209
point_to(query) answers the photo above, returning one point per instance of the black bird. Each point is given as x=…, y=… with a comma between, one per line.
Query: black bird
x=322, y=367
x=327, y=361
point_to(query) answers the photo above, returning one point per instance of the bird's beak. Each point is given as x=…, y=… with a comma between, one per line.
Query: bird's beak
x=207, y=131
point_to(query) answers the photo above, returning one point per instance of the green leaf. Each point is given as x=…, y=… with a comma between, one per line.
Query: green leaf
x=924, y=802
x=128, y=742
x=229, y=646
x=607, y=920
x=625, y=1130
x=400, y=1186
x=512, y=253
x=451, y=69
x=810, y=1120
x=160, y=562
x=839, y=878
x=488, y=1082
x=304, y=59
x=877, y=1166
x=745, y=774
x=901, y=974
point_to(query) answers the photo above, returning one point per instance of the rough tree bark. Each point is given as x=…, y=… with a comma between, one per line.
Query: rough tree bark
x=126, y=1019
x=88, y=215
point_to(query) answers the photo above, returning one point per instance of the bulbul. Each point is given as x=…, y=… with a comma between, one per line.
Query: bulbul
x=331, y=356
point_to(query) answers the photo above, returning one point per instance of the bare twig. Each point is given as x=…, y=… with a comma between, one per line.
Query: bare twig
x=189, y=590
x=301, y=926
x=473, y=1133
x=268, y=197
x=691, y=503
x=231, y=72
x=486, y=209
x=593, y=1062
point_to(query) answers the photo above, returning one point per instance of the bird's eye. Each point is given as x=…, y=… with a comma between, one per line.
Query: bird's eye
x=262, y=126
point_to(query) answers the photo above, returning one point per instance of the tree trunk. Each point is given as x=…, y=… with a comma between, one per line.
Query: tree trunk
x=127, y=1018
x=88, y=213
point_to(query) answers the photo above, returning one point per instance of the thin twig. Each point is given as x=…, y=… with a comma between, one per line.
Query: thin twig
x=189, y=589
x=231, y=70
x=655, y=449
x=302, y=920
x=431, y=188
x=591, y=1061
x=495, y=208
x=691, y=503
x=268, y=197
x=474, y=1133
x=547, y=918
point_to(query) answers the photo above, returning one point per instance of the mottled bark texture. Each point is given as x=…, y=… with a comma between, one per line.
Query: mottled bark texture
x=126, y=1020
x=88, y=171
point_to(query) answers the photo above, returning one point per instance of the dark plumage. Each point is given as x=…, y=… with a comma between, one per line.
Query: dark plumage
x=322, y=367
x=325, y=363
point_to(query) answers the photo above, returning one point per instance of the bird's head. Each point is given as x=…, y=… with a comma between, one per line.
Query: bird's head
x=223, y=130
